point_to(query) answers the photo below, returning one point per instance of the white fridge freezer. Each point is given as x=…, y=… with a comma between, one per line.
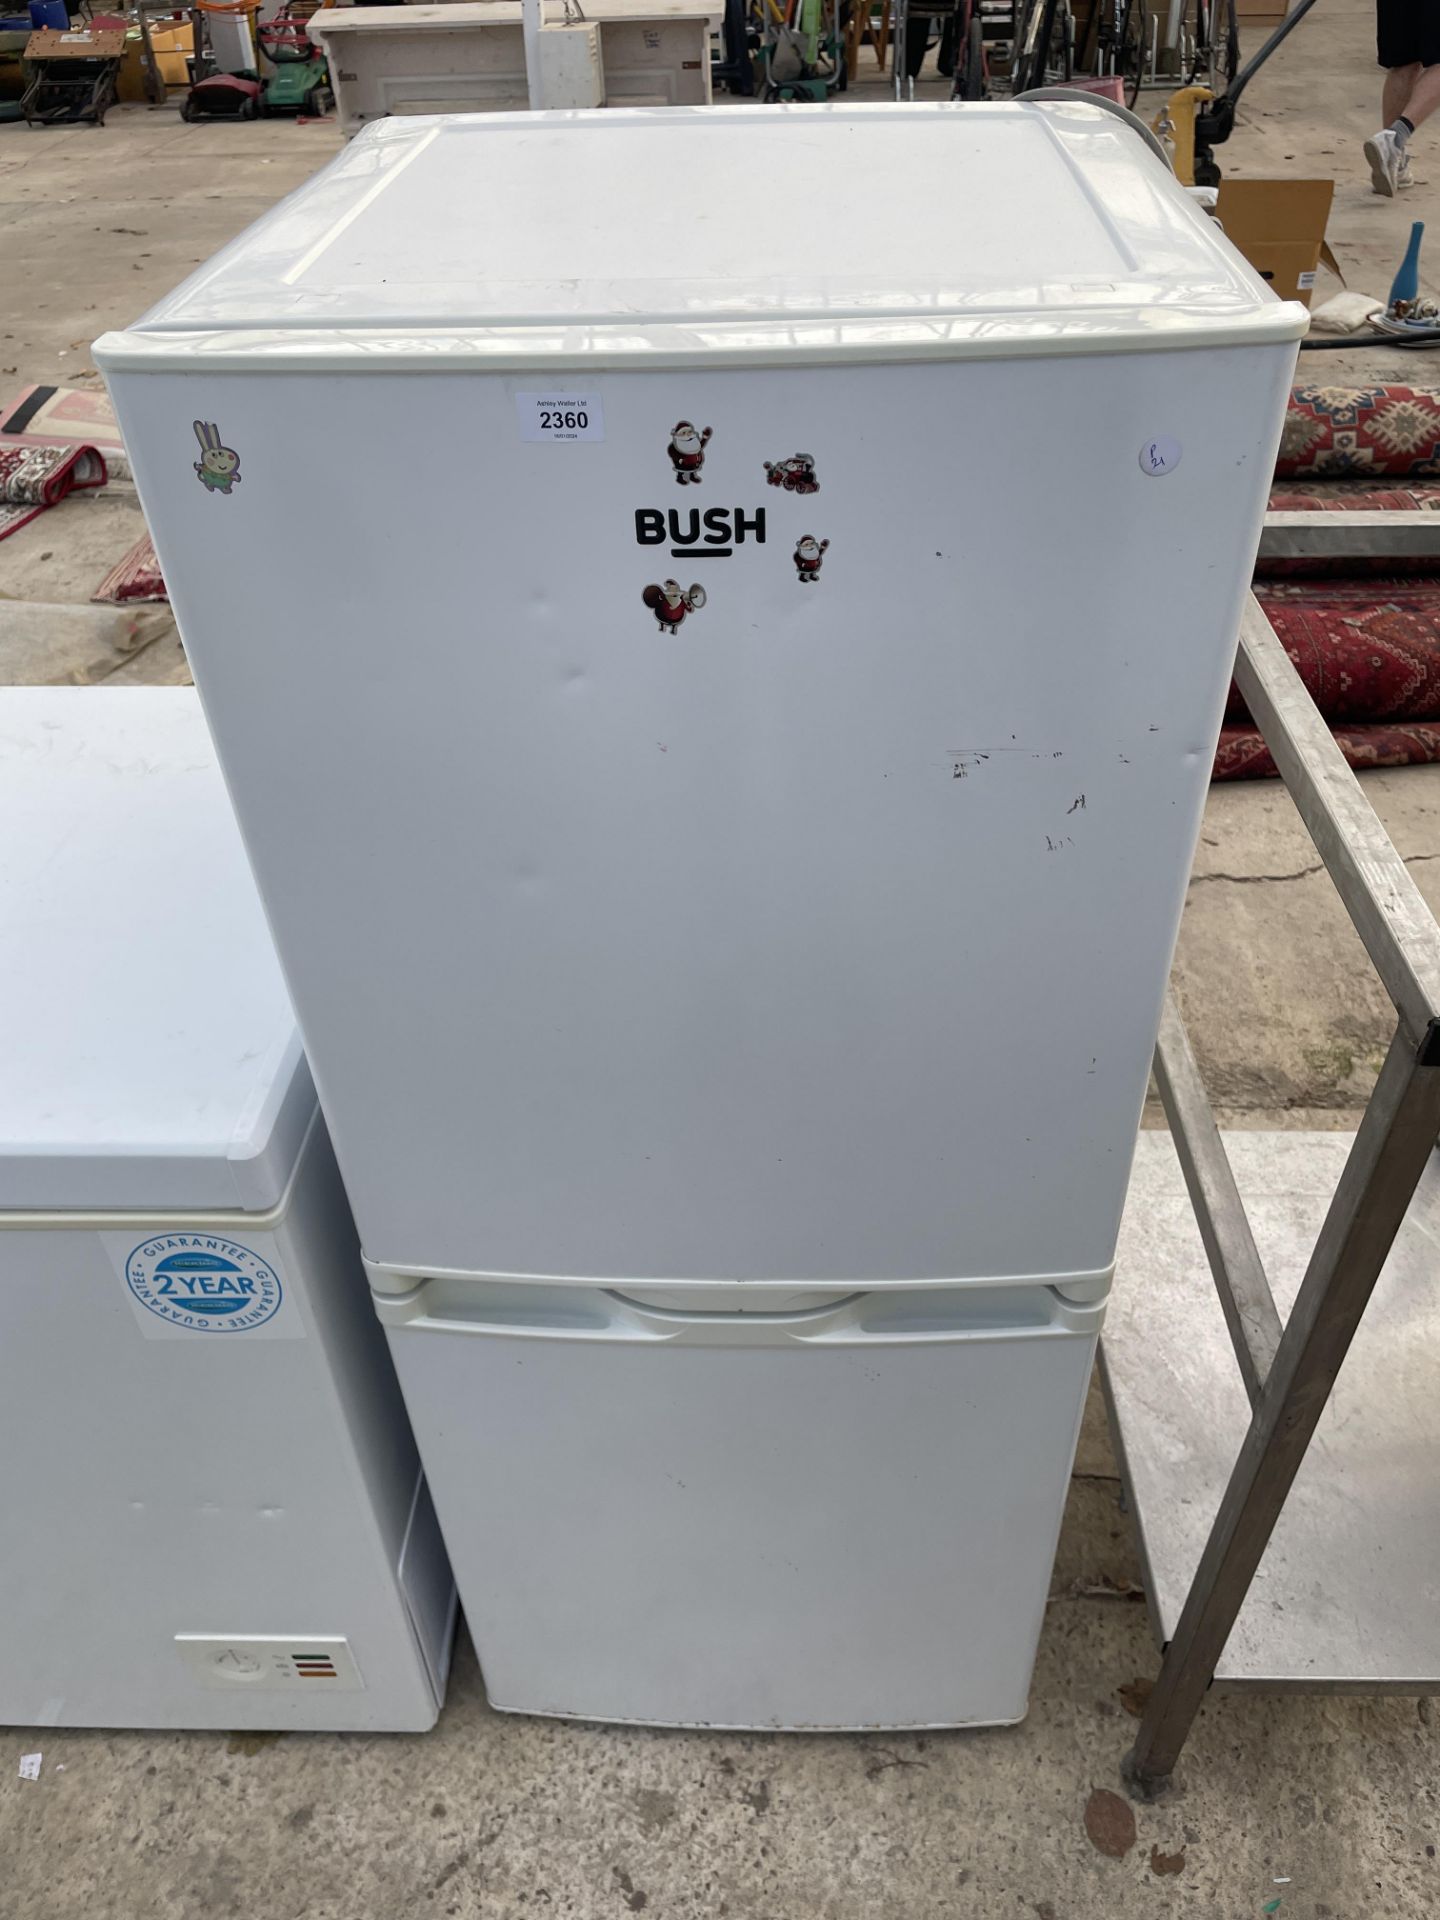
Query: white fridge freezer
x=214, y=1514
x=723, y=756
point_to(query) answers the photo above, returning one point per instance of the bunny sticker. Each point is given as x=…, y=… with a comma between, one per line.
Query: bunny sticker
x=218, y=468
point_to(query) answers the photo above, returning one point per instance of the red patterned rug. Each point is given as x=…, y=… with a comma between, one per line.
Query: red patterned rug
x=34, y=477
x=135, y=577
x=1368, y=652
x=1243, y=755
x=1365, y=649
x=1364, y=635
x=1360, y=433
x=1352, y=496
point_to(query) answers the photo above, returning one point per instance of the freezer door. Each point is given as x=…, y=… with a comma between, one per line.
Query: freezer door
x=835, y=1517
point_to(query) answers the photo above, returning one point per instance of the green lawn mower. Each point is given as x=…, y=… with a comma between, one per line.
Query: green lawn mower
x=299, y=80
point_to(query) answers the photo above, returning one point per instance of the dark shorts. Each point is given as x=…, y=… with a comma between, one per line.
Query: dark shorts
x=1408, y=31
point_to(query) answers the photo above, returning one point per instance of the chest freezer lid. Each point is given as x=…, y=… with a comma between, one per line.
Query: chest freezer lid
x=150, y=1055
x=720, y=236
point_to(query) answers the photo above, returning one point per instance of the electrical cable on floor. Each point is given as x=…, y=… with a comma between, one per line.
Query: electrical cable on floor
x=1348, y=343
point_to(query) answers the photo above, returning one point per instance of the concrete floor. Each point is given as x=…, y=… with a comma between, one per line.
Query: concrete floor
x=1328, y=1805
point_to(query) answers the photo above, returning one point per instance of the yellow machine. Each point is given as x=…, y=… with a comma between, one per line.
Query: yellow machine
x=1175, y=125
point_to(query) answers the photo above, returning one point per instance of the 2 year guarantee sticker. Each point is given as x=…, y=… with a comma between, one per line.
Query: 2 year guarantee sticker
x=203, y=1283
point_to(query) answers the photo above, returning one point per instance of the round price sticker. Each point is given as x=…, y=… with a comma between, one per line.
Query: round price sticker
x=1160, y=455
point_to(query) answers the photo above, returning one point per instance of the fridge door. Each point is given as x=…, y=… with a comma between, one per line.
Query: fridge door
x=814, y=933
x=836, y=1516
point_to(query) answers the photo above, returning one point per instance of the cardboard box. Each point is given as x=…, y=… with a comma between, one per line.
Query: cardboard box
x=173, y=44
x=1279, y=226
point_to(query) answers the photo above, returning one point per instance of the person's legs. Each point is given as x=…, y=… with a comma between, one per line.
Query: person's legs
x=1407, y=42
x=1412, y=94
x=1421, y=100
x=1398, y=83
x=1397, y=46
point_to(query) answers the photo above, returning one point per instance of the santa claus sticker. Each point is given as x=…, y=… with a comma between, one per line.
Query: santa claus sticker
x=809, y=552
x=671, y=604
x=795, y=475
x=687, y=452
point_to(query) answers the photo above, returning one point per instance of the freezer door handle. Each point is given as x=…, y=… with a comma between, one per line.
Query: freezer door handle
x=531, y=1312
x=903, y=1317
x=578, y=1313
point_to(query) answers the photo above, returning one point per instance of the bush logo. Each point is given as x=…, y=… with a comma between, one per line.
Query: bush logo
x=205, y=1283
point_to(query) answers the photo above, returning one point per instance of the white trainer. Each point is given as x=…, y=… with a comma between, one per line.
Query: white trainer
x=1385, y=154
x=1405, y=178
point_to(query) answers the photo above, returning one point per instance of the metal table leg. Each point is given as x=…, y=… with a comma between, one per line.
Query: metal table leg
x=1289, y=1383
x=1394, y=1141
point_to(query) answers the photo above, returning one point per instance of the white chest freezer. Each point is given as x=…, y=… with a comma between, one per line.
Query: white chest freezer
x=721, y=733
x=214, y=1514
